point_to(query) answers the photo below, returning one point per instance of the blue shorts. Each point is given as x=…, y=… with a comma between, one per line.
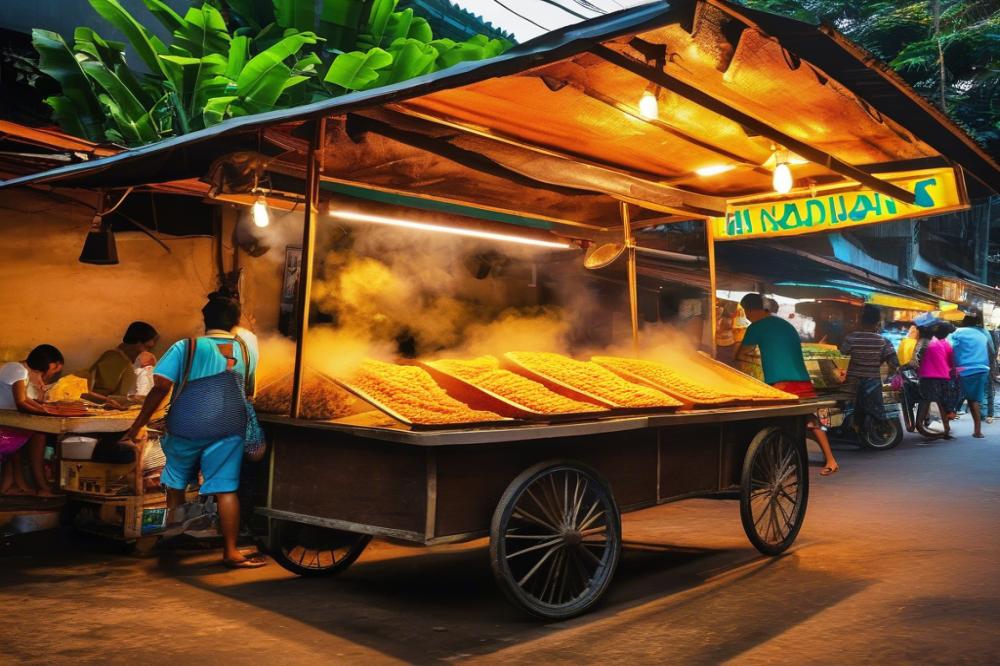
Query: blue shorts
x=974, y=387
x=218, y=460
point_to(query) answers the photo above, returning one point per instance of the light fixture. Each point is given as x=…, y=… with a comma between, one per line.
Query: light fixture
x=99, y=247
x=259, y=212
x=714, y=169
x=649, y=105
x=782, y=179
x=458, y=231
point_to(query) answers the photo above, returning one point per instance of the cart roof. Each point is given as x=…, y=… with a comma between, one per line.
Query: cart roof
x=551, y=128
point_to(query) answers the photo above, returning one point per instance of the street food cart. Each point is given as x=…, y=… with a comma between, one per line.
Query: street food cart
x=664, y=113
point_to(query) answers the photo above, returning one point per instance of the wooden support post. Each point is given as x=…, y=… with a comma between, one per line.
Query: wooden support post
x=633, y=288
x=308, y=256
x=713, y=285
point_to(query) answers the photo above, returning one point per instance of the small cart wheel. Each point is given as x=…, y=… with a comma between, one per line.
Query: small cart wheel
x=774, y=490
x=555, y=539
x=310, y=550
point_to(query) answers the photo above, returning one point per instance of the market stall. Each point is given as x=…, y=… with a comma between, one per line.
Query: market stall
x=119, y=497
x=557, y=144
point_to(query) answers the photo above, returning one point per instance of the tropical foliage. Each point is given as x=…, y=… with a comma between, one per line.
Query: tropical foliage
x=949, y=50
x=229, y=58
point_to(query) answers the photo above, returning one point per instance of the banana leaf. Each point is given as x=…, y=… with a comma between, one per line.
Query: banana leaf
x=260, y=83
x=451, y=52
x=142, y=92
x=78, y=99
x=410, y=58
x=378, y=20
x=210, y=88
x=239, y=52
x=217, y=109
x=66, y=114
x=339, y=21
x=89, y=42
x=196, y=72
x=132, y=118
x=170, y=19
x=298, y=14
x=404, y=25
x=148, y=46
x=357, y=70
x=204, y=32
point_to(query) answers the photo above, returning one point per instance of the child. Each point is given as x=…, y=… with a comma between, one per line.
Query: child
x=42, y=365
x=143, y=367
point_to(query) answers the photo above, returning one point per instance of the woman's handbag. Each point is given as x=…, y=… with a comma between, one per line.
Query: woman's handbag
x=209, y=408
x=254, y=443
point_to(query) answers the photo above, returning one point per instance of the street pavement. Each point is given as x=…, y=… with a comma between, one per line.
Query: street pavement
x=897, y=563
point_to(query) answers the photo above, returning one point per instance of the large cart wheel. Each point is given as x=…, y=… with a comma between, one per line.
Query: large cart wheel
x=774, y=490
x=309, y=550
x=555, y=539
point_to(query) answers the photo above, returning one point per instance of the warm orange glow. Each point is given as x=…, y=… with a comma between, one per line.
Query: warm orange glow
x=714, y=170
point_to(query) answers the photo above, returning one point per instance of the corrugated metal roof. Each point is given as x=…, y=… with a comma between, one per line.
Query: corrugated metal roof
x=551, y=111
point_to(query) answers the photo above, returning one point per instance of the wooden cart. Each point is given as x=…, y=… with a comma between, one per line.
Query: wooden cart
x=548, y=496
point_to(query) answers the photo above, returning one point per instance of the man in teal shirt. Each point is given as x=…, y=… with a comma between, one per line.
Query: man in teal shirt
x=784, y=367
x=778, y=341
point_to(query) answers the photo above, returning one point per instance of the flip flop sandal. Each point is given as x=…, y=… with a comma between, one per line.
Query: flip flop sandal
x=980, y=436
x=829, y=471
x=254, y=562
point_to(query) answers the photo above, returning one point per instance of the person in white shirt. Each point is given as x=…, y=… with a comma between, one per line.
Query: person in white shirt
x=42, y=365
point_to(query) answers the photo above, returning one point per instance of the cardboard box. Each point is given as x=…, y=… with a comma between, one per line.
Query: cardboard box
x=102, y=479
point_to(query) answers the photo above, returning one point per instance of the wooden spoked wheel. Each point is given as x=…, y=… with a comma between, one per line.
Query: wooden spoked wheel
x=555, y=539
x=774, y=490
x=310, y=550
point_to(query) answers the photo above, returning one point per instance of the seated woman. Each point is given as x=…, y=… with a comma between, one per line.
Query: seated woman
x=42, y=365
x=114, y=373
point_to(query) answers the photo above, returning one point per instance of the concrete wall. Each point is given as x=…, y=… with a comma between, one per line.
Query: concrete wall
x=47, y=295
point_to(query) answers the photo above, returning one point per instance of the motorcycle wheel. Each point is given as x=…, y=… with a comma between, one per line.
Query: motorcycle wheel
x=881, y=434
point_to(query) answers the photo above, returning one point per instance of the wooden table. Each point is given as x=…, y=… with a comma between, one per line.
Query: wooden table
x=109, y=421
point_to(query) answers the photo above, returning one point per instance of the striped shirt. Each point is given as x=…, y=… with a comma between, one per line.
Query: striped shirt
x=868, y=351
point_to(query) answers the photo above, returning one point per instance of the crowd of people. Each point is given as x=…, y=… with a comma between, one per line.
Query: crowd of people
x=939, y=365
x=207, y=379
x=949, y=367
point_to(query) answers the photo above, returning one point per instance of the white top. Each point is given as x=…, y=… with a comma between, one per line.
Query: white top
x=10, y=374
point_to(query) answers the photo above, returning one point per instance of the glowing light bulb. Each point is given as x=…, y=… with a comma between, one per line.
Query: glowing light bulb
x=649, y=106
x=782, y=180
x=259, y=212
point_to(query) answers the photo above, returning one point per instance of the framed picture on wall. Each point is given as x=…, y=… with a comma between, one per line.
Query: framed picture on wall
x=287, y=314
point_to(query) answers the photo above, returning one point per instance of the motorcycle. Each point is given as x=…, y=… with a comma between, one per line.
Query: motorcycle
x=842, y=422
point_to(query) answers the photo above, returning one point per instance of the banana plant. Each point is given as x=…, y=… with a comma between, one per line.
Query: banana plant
x=251, y=57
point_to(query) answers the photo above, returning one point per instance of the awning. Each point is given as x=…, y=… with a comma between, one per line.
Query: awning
x=799, y=274
x=551, y=130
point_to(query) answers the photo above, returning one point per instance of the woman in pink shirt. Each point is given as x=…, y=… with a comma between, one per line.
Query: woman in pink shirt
x=937, y=369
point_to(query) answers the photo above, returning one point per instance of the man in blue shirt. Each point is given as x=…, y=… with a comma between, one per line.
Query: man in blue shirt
x=781, y=357
x=972, y=346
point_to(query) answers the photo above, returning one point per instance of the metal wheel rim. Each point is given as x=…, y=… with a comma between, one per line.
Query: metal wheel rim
x=776, y=489
x=880, y=432
x=314, y=554
x=560, y=539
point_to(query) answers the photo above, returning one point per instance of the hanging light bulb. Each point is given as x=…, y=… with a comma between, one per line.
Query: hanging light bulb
x=259, y=212
x=649, y=105
x=782, y=179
